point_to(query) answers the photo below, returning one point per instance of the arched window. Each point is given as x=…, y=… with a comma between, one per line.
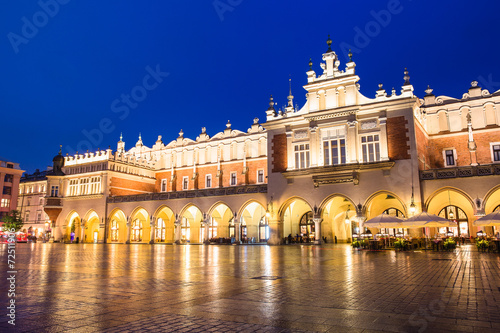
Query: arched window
x=115, y=230
x=456, y=214
x=137, y=231
x=160, y=230
x=394, y=231
x=263, y=229
x=185, y=230
x=307, y=226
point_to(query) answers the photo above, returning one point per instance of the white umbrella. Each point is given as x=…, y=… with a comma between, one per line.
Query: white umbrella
x=488, y=220
x=384, y=221
x=425, y=219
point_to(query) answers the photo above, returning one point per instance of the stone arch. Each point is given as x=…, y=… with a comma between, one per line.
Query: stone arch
x=491, y=199
x=291, y=212
x=221, y=214
x=140, y=226
x=117, y=226
x=73, y=218
x=382, y=200
x=92, y=232
x=164, y=225
x=190, y=218
x=252, y=215
x=333, y=210
x=451, y=196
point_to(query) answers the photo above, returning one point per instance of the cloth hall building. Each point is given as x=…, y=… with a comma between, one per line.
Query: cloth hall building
x=317, y=171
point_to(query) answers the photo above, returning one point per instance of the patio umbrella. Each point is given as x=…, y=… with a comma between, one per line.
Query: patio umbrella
x=384, y=221
x=425, y=219
x=488, y=220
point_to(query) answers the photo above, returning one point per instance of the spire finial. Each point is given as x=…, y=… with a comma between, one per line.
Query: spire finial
x=406, y=78
x=310, y=64
x=329, y=43
x=271, y=103
x=429, y=91
x=228, y=125
x=350, y=55
x=181, y=134
x=121, y=136
x=290, y=96
x=140, y=138
x=60, y=149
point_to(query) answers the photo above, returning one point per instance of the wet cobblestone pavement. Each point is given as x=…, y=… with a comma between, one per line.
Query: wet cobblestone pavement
x=328, y=288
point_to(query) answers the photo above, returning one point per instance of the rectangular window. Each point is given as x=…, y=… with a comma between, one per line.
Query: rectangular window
x=185, y=183
x=302, y=156
x=54, y=192
x=10, y=166
x=73, y=187
x=163, y=185
x=41, y=202
x=27, y=216
x=334, y=145
x=233, y=179
x=260, y=176
x=7, y=190
x=449, y=157
x=29, y=202
x=9, y=178
x=370, y=146
x=39, y=216
x=208, y=181
x=5, y=203
x=496, y=152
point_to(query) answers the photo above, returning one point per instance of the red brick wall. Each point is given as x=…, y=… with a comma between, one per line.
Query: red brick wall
x=279, y=153
x=127, y=187
x=397, y=138
x=250, y=178
x=422, y=149
x=459, y=143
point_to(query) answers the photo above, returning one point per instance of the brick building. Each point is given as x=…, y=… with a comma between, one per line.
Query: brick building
x=318, y=171
x=10, y=174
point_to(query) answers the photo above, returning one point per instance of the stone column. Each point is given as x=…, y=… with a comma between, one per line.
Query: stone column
x=237, y=230
x=128, y=230
x=177, y=224
x=207, y=226
x=317, y=230
x=152, y=225
x=82, y=231
x=276, y=231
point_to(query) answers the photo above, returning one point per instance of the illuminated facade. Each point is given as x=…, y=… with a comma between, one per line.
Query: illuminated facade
x=10, y=174
x=31, y=202
x=316, y=172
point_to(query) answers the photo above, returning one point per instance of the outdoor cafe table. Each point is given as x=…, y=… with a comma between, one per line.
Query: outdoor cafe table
x=437, y=244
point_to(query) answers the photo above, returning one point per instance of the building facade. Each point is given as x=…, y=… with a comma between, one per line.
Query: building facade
x=10, y=174
x=317, y=172
x=31, y=203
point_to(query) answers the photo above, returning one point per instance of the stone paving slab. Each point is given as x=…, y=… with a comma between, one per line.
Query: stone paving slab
x=328, y=288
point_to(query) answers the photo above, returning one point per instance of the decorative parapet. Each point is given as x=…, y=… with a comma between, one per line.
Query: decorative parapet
x=460, y=172
x=211, y=192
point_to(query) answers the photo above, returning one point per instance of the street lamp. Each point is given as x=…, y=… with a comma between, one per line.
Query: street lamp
x=347, y=220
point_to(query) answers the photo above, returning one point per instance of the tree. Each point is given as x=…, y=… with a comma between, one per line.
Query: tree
x=13, y=220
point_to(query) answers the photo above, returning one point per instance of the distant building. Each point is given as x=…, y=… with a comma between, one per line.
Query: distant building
x=31, y=202
x=316, y=171
x=10, y=173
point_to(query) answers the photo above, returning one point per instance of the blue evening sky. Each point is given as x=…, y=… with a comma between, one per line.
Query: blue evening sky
x=65, y=74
